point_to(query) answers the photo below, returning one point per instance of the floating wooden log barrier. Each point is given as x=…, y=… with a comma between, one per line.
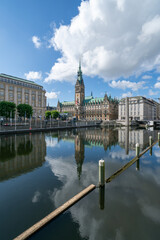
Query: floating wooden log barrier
x=128, y=164
x=55, y=213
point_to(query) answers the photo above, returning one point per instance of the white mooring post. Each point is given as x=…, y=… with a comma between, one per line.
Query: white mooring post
x=150, y=143
x=137, y=149
x=159, y=139
x=150, y=140
x=101, y=197
x=101, y=173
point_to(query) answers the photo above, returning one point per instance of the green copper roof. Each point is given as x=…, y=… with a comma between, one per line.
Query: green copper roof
x=68, y=103
x=90, y=99
x=18, y=79
x=97, y=99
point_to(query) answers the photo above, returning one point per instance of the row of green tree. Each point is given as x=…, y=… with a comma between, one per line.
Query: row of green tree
x=53, y=114
x=7, y=109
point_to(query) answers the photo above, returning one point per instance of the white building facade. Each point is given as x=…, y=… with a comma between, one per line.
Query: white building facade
x=140, y=108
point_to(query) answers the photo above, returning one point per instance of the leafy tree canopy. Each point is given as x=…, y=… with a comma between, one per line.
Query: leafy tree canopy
x=55, y=114
x=47, y=114
x=7, y=109
x=24, y=110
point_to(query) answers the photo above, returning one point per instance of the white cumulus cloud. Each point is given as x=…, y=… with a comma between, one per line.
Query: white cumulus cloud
x=128, y=94
x=127, y=84
x=157, y=85
x=146, y=77
x=33, y=75
x=37, y=42
x=152, y=93
x=116, y=38
x=52, y=95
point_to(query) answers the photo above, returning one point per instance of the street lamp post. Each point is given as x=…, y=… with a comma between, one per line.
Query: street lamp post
x=30, y=123
x=25, y=118
x=15, y=120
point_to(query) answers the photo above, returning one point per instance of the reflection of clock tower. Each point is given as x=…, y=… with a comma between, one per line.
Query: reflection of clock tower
x=79, y=95
x=79, y=153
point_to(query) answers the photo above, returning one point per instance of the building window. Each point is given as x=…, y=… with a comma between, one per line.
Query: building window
x=11, y=94
x=33, y=97
x=19, y=89
x=19, y=95
x=1, y=92
x=1, y=85
x=26, y=96
x=26, y=91
x=11, y=88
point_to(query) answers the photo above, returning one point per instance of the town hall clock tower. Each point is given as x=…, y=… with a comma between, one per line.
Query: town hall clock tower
x=79, y=95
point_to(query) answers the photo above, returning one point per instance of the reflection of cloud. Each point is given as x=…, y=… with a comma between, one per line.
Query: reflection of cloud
x=66, y=171
x=146, y=161
x=51, y=142
x=36, y=197
x=121, y=154
x=124, y=197
x=157, y=154
x=153, y=173
x=151, y=212
x=132, y=193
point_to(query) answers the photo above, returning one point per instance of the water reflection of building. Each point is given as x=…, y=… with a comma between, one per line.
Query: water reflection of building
x=20, y=154
x=92, y=137
x=128, y=138
x=79, y=152
x=105, y=137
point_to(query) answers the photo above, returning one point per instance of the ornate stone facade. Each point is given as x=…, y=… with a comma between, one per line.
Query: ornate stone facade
x=89, y=108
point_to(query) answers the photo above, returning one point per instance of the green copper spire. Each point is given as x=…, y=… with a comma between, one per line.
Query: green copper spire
x=80, y=79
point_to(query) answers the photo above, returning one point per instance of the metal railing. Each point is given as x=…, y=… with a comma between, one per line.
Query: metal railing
x=44, y=124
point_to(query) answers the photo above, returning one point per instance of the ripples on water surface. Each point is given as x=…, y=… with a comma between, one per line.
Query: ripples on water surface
x=39, y=172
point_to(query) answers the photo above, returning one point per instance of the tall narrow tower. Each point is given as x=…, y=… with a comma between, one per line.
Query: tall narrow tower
x=79, y=94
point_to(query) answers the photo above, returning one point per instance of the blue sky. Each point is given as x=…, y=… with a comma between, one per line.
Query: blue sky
x=117, y=42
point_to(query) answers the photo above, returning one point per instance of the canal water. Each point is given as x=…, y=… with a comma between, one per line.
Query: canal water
x=41, y=171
